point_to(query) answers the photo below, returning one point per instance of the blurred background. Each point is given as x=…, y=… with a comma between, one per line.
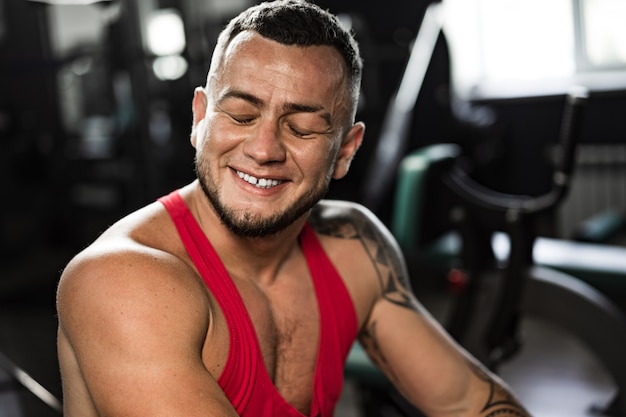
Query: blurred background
x=95, y=116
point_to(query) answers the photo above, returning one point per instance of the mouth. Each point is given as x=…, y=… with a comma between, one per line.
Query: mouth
x=258, y=182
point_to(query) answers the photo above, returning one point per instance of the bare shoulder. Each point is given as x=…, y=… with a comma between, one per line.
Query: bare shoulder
x=134, y=323
x=350, y=220
x=332, y=216
x=363, y=249
x=134, y=270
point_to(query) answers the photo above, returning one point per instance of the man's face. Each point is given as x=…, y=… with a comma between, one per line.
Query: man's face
x=271, y=131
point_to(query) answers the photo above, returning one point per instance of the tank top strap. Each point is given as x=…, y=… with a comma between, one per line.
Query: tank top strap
x=338, y=322
x=243, y=360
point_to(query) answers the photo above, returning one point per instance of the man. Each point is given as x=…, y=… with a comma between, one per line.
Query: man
x=242, y=293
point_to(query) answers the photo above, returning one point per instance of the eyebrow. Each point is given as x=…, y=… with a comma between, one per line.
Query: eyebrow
x=241, y=95
x=307, y=108
x=287, y=107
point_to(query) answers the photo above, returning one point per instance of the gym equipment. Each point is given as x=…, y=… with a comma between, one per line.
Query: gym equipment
x=532, y=276
x=523, y=286
x=28, y=382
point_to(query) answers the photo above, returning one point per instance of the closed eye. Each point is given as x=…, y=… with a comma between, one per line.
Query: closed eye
x=297, y=132
x=242, y=120
x=307, y=124
x=302, y=133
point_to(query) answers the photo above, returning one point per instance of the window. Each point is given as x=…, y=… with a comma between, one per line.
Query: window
x=507, y=48
x=603, y=29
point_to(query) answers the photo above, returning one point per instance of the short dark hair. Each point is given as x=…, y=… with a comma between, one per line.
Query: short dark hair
x=300, y=23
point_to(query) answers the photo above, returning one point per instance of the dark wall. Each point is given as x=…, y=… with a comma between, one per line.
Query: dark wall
x=31, y=143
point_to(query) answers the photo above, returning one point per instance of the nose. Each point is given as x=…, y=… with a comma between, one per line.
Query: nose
x=264, y=144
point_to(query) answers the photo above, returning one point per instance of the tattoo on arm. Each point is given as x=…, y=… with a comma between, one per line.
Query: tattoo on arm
x=395, y=288
x=390, y=271
x=370, y=343
x=385, y=258
x=500, y=402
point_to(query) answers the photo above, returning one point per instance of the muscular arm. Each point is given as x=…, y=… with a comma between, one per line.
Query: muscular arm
x=404, y=341
x=132, y=328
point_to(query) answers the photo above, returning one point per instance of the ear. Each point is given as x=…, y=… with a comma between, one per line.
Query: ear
x=350, y=144
x=198, y=108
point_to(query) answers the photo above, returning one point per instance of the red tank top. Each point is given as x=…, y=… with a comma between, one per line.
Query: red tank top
x=245, y=380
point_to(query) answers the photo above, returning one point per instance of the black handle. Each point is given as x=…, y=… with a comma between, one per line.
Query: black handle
x=481, y=196
x=570, y=132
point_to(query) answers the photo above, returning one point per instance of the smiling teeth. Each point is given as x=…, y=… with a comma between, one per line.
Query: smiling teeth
x=258, y=182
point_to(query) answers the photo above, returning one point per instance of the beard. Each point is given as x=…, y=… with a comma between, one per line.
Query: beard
x=245, y=224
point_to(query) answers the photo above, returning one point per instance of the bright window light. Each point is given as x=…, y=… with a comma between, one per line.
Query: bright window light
x=165, y=33
x=512, y=48
x=527, y=39
x=605, y=31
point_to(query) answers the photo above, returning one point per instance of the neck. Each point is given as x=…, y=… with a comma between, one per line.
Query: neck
x=259, y=258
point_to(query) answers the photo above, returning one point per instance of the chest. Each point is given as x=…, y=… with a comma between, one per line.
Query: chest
x=285, y=320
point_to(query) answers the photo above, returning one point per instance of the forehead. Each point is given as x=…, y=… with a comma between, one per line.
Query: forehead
x=252, y=61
